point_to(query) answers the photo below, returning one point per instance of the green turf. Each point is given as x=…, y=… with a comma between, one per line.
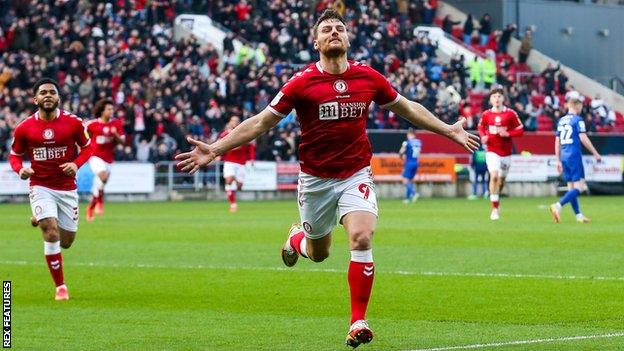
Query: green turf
x=191, y=276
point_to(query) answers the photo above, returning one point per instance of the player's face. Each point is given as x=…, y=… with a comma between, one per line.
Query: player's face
x=496, y=100
x=108, y=112
x=331, y=38
x=47, y=97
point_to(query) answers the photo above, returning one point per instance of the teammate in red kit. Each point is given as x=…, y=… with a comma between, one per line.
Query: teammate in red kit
x=497, y=126
x=234, y=164
x=50, y=137
x=332, y=98
x=105, y=133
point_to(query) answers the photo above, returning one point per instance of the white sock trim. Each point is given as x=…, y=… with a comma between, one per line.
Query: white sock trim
x=52, y=248
x=304, y=247
x=494, y=197
x=362, y=256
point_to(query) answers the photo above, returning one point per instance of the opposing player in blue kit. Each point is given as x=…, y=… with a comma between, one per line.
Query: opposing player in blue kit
x=570, y=136
x=410, y=152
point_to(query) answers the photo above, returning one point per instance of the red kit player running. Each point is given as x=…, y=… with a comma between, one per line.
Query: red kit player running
x=105, y=133
x=332, y=98
x=50, y=137
x=497, y=126
x=234, y=164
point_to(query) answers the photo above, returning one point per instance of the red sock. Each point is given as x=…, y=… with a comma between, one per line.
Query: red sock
x=55, y=264
x=360, y=277
x=93, y=202
x=231, y=196
x=100, y=199
x=494, y=199
x=295, y=243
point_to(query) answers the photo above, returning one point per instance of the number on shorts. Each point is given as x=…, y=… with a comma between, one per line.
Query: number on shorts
x=364, y=189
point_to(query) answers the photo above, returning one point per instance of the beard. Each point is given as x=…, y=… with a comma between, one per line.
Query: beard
x=334, y=51
x=48, y=109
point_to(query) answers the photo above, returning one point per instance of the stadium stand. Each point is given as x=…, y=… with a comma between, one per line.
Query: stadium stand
x=166, y=90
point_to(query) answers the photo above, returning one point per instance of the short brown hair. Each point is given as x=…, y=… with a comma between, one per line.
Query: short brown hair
x=99, y=107
x=496, y=90
x=327, y=15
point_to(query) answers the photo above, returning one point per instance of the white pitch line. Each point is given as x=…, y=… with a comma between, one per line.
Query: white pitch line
x=331, y=270
x=523, y=342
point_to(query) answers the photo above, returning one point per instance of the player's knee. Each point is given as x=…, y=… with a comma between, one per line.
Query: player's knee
x=50, y=232
x=66, y=244
x=361, y=239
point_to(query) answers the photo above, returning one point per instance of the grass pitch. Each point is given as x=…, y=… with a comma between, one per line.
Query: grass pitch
x=191, y=276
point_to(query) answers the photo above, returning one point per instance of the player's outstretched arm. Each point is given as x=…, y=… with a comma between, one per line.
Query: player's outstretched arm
x=245, y=132
x=589, y=146
x=420, y=116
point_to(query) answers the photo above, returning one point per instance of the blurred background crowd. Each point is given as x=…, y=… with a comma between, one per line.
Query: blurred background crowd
x=166, y=90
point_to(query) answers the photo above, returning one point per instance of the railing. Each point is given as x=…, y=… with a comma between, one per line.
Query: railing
x=169, y=177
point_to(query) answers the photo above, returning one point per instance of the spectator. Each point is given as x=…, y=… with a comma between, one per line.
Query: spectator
x=549, y=76
x=525, y=47
x=143, y=147
x=506, y=37
x=562, y=81
x=448, y=23
x=468, y=29
x=475, y=68
x=430, y=8
x=281, y=148
x=489, y=70
x=485, y=29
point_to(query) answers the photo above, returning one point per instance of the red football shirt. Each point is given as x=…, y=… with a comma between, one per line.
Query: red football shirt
x=50, y=144
x=492, y=123
x=102, y=135
x=241, y=154
x=332, y=111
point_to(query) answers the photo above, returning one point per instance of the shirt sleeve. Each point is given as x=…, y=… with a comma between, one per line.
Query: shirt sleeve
x=284, y=101
x=386, y=95
x=19, y=145
x=581, y=126
x=81, y=135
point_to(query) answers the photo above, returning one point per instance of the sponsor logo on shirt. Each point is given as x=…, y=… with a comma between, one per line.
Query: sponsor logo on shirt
x=277, y=98
x=49, y=153
x=335, y=110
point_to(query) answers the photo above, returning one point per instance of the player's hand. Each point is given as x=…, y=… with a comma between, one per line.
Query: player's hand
x=468, y=141
x=25, y=173
x=114, y=131
x=484, y=139
x=504, y=133
x=559, y=167
x=69, y=168
x=598, y=158
x=200, y=156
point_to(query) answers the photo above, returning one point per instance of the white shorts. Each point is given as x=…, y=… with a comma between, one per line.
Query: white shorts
x=98, y=165
x=231, y=169
x=322, y=201
x=59, y=204
x=496, y=163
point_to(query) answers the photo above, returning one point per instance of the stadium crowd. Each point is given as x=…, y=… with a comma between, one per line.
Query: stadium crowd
x=166, y=90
